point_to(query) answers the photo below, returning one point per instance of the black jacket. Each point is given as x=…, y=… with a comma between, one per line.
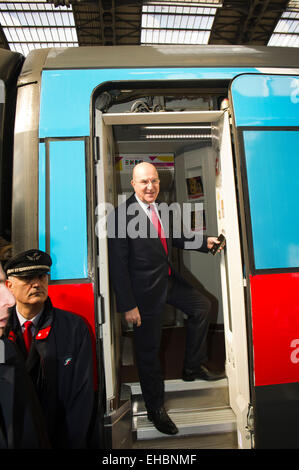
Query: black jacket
x=139, y=265
x=60, y=364
x=22, y=424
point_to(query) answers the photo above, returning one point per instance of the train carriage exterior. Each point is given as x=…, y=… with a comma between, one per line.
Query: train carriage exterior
x=65, y=139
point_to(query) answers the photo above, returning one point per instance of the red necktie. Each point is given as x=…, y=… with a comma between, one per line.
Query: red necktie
x=27, y=335
x=157, y=224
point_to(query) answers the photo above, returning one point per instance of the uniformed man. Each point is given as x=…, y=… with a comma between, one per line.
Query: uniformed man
x=22, y=424
x=56, y=345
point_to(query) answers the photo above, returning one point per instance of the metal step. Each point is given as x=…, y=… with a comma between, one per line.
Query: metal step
x=179, y=385
x=200, y=422
x=187, y=400
x=180, y=395
x=226, y=440
x=197, y=408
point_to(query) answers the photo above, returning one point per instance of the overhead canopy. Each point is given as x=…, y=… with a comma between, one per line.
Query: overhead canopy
x=27, y=25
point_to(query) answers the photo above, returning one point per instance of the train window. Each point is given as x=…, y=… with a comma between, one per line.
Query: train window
x=273, y=196
x=62, y=207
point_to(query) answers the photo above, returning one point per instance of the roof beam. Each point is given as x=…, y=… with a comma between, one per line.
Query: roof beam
x=246, y=22
x=108, y=22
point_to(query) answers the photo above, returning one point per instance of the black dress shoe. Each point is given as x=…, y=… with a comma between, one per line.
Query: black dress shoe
x=162, y=422
x=202, y=373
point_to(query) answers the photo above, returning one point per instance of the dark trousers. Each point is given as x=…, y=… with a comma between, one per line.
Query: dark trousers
x=147, y=338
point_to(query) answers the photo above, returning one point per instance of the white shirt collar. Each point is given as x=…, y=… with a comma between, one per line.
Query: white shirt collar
x=34, y=320
x=145, y=205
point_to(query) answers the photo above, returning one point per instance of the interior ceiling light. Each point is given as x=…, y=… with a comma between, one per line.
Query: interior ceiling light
x=176, y=127
x=178, y=136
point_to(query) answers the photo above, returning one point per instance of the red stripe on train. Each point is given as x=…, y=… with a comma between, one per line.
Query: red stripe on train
x=77, y=298
x=275, y=326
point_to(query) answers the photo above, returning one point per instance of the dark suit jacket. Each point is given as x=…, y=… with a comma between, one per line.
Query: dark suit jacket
x=138, y=262
x=22, y=424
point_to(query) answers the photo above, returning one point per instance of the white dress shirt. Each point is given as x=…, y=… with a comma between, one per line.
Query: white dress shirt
x=145, y=205
x=34, y=321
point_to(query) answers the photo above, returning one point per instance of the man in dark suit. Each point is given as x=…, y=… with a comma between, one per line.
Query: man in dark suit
x=144, y=280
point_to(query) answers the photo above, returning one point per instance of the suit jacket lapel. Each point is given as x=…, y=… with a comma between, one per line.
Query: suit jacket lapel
x=14, y=325
x=37, y=346
x=33, y=357
x=144, y=218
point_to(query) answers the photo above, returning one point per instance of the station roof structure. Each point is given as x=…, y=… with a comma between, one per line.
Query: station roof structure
x=27, y=25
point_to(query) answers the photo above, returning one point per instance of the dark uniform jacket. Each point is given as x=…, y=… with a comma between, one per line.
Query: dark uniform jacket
x=22, y=424
x=139, y=266
x=60, y=364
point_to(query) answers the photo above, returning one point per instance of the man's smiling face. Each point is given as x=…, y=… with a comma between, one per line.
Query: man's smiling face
x=146, y=182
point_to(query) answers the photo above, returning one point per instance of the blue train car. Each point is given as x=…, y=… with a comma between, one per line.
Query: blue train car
x=224, y=117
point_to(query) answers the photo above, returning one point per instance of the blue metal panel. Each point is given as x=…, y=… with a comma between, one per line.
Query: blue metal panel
x=65, y=95
x=266, y=100
x=68, y=217
x=42, y=197
x=272, y=164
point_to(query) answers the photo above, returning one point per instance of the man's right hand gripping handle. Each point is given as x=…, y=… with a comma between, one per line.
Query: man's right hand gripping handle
x=133, y=316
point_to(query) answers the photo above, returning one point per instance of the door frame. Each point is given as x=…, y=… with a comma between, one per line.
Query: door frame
x=238, y=369
x=232, y=275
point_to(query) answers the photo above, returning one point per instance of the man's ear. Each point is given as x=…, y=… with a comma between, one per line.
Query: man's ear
x=8, y=284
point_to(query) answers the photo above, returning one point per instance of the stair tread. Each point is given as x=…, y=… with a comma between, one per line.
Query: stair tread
x=178, y=385
x=188, y=399
x=186, y=417
x=223, y=440
x=195, y=422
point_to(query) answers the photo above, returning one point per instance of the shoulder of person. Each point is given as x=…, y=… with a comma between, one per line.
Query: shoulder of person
x=69, y=319
x=123, y=205
x=126, y=209
x=126, y=202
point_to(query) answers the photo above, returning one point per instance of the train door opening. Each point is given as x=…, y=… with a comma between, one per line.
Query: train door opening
x=193, y=155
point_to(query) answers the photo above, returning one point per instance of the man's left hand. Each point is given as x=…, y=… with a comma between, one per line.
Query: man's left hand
x=211, y=241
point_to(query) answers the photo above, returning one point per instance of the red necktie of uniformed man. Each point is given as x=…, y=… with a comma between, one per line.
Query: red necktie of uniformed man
x=27, y=335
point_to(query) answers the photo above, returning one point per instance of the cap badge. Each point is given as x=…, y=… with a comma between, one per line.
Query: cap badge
x=35, y=257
